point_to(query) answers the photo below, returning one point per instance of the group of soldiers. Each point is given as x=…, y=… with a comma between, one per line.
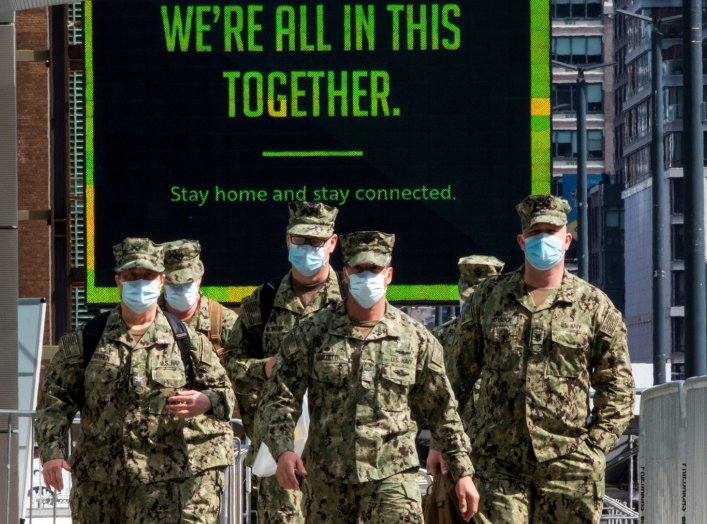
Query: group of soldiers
x=157, y=379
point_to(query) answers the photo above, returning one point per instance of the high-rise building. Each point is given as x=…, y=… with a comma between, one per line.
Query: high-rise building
x=633, y=123
x=582, y=35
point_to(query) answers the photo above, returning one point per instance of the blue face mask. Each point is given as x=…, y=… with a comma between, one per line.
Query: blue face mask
x=367, y=288
x=140, y=295
x=307, y=260
x=543, y=251
x=182, y=296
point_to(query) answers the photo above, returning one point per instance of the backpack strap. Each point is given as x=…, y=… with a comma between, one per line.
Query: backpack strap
x=215, y=316
x=267, y=298
x=181, y=335
x=342, y=287
x=92, y=332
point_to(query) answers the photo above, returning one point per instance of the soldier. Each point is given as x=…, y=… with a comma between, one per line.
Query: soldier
x=141, y=388
x=182, y=297
x=372, y=374
x=473, y=270
x=267, y=316
x=538, y=339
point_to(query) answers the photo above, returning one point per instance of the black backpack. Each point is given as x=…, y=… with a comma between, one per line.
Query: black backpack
x=267, y=295
x=93, y=330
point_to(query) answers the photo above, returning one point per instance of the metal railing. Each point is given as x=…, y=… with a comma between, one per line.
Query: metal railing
x=45, y=505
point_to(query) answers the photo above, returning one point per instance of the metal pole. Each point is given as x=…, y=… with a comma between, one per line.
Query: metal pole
x=661, y=218
x=695, y=299
x=582, y=224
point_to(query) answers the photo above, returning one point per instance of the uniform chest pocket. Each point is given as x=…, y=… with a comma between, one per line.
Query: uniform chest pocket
x=568, y=354
x=169, y=377
x=504, y=347
x=394, y=386
x=331, y=369
x=166, y=382
x=101, y=372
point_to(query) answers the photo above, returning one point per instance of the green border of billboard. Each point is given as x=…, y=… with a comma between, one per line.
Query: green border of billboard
x=541, y=162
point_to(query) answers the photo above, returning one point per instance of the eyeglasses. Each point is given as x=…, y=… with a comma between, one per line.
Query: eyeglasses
x=314, y=242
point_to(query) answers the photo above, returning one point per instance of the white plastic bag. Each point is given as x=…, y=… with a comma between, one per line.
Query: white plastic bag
x=264, y=465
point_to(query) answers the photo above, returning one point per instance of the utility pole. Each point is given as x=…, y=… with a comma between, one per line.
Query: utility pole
x=582, y=203
x=661, y=208
x=695, y=298
x=661, y=215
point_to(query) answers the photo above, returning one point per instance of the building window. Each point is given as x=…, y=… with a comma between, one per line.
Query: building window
x=678, y=241
x=576, y=8
x=565, y=98
x=673, y=150
x=564, y=145
x=638, y=122
x=577, y=49
x=677, y=197
x=678, y=288
x=677, y=325
x=639, y=74
x=638, y=166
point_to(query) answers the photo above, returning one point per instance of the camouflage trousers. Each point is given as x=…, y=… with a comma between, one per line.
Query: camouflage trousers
x=566, y=490
x=277, y=505
x=394, y=500
x=193, y=500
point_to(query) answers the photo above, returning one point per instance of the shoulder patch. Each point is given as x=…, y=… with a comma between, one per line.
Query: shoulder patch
x=610, y=323
x=71, y=345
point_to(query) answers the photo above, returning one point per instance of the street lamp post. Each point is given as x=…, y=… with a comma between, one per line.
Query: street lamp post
x=695, y=298
x=582, y=215
x=659, y=193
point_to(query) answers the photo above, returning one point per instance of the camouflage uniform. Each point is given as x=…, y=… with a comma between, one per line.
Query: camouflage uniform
x=255, y=339
x=473, y=270
x=132, y=462
x=367, y=393
x=538, y=455
x=183, y=265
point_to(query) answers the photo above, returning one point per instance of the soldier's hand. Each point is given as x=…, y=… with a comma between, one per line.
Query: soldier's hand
x=435, y=463
x=288, y=466
x=269, y=365
x=468, y=497
x=188, y=403
x=51, y=472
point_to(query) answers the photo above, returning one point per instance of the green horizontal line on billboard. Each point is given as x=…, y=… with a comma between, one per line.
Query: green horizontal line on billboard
x=298, y=154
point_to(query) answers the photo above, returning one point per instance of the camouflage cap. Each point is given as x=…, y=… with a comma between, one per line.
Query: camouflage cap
x=367, y=247
x=138, y=252
x=473, y=270
x=312, y=219
x=547, y=209
x=181, y=261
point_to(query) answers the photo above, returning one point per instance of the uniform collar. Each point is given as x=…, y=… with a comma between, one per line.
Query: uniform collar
x=387, y=327
x=117, y=330
x=329, y=294
x=567, y=292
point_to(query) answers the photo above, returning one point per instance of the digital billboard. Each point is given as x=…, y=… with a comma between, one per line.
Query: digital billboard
x=429, y=120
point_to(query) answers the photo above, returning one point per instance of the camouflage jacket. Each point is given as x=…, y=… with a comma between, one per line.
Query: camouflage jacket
x=366, y=397
x=447, y=334
x=127, y=435
x=254, y=339
x=536, y=365
x=201, y=320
